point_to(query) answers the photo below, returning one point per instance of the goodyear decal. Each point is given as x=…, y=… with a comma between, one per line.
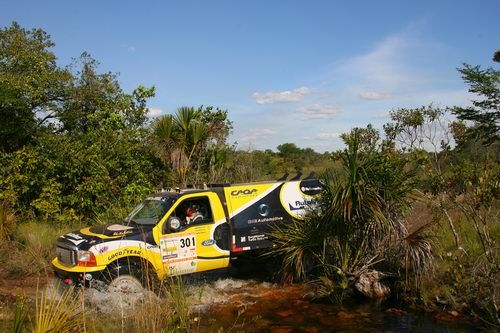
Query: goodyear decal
x=124, y=252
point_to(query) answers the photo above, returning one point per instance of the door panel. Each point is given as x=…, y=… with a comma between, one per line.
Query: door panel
x=193, y=247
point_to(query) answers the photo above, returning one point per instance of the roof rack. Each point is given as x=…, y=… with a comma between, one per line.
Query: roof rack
x=219, y=185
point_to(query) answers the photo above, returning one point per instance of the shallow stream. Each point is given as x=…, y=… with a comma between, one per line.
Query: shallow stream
x=254, y=306
x=227, y=304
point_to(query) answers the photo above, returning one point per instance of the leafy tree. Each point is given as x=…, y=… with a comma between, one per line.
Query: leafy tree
x=484, y=115
x=97, y=100
x=32, y=85
x=72, y=142
x=291, y=155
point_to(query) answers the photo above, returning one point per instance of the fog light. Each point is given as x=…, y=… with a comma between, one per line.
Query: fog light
x=68, y=281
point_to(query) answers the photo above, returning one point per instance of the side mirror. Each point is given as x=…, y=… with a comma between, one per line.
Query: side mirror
x=173, y=223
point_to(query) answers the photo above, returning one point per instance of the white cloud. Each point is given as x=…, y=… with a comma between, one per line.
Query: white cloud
x=295, y=95
x=390, y=65
x=373, y=95
x=154, y=112
x=257, y=135
x=318, y=111
x=131, y=49
x=327, y=135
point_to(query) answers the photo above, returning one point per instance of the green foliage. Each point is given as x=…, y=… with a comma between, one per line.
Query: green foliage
x=484, y=115
x=20, y=315
x=467, y=279
x=57, y=314
x=31, y=84
x=76, y=176
x=300, y=245
x=34, y=247
x=192, y=140
x=73, y=144
x=7, y=221
x=358, y=213
x=462, y=185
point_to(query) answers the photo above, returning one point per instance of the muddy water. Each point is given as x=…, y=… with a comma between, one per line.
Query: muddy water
x=255, y=306
x=224, y=304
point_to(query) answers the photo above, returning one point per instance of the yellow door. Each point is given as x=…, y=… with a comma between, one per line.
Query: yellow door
x=194, y=236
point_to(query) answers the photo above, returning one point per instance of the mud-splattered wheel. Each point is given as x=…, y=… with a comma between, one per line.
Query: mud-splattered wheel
x=124, y=276
x=127, y=284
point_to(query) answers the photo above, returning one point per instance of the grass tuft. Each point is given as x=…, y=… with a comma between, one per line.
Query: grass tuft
x=54, y=313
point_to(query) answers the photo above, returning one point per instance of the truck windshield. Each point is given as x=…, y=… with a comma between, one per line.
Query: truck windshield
x=150, y=211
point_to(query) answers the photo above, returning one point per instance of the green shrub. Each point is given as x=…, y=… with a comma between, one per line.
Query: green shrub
x=7, y=221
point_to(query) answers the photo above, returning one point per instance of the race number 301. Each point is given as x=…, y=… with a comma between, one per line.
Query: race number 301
x=187, y=242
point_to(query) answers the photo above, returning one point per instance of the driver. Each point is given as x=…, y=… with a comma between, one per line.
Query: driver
x=193, y=214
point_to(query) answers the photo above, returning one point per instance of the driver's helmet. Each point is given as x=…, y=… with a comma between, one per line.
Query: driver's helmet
x=193, y=209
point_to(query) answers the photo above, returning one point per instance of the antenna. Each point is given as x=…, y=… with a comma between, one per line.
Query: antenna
x=283, y=178
x=312, y=175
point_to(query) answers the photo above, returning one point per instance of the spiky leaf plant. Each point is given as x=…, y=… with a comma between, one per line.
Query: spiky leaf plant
x=54, y=313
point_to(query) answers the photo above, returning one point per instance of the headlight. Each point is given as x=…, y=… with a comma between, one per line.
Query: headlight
x=86, y=258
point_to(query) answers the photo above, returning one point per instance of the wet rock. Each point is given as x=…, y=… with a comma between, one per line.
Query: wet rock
x=395, y=312
x=445, y=316
x=345, y=315
x=282, y=329
x=328, y=321
x=301, y=303
x=285, y=313
x=369, y=284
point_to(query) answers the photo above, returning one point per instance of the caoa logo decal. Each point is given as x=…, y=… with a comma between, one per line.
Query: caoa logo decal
x=243, y=192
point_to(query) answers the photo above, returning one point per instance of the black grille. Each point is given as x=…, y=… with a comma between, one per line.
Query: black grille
x=66, y=254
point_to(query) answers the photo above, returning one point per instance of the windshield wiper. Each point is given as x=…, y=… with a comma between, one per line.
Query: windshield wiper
x=132, y=221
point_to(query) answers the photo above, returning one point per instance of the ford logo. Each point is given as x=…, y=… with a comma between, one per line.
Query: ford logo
x=208, y=242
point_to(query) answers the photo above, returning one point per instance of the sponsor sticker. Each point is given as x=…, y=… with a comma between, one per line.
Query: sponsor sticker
x=179, y=252
x=208, y=242
x=125, y=252
x=103, y=249
x=243, y=192
x=74, y=236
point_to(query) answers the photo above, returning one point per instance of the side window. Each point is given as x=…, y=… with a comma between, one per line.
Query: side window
x=194, y=211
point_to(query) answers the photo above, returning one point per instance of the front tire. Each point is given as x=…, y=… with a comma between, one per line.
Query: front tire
x=124, y=276
x=126, y=284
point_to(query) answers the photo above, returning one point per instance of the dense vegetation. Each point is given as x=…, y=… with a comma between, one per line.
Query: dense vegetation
x=415, y=213
x=77, y=149
x=74, y=146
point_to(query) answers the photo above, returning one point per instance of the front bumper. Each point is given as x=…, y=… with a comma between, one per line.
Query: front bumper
x=78, y=275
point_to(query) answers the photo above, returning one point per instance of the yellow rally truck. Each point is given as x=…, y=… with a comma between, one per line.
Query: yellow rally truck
x=184, y=231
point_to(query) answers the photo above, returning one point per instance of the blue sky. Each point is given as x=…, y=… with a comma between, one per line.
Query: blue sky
x=287, y=71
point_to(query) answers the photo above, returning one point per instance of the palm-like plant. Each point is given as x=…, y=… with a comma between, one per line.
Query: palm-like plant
x=178, y=137
x=360, y=206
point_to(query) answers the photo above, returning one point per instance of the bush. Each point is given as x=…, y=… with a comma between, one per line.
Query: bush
x=31, y=249
x=7, y=221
